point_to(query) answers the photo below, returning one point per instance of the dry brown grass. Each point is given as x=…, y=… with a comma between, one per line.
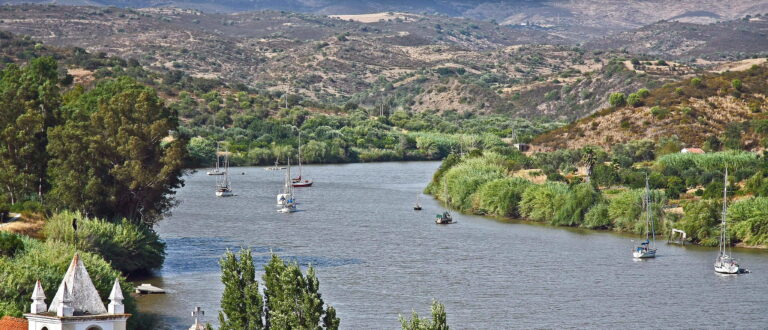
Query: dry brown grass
x=29, y=224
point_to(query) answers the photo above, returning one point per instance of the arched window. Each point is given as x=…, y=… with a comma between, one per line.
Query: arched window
x=44, y=328
x=93, y=327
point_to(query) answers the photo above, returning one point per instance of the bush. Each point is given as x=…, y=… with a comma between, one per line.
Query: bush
x=597, y=217
x=701, y=221
x=461, y=181
x=750, y=221
x=10, y=244
x=617, y=100
x=129, y=247
x=47, y=262
x=500, y=197
x=643, y=92
x=542, y=202
x=634, y=100
x=696, y=82
x=577, y=202
x=736, y=84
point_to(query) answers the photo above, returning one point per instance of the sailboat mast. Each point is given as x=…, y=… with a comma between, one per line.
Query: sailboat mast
x=647, y=202
x=723, y=229
x=299, y=153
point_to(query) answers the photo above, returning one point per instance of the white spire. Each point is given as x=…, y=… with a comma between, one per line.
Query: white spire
x=83, y=295
x=38, y=300
x=64, y=304
x=116, y=299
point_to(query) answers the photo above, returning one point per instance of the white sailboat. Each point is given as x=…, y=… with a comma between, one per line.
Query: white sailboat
x=216, y=169
x=223, y=183
x=647, y=248
x=725, y=263
x=299, y=181
x=285, y=200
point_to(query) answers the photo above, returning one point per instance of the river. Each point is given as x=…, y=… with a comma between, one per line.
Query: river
x=376, y=258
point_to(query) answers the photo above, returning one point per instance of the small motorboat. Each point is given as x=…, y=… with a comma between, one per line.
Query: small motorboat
x=417, y=206
x=443, y=219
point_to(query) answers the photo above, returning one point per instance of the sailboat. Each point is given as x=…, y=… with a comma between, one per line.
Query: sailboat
x=725, y=264
x=216, y=170
x=285, y=200
x=276, y=167
x=647, y=248
x=298, y=181
x=223, y=183
x=417, y=206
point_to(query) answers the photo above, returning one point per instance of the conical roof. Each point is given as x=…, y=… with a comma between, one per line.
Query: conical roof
x=117, y=292
x=85, y=299
x=38, y=293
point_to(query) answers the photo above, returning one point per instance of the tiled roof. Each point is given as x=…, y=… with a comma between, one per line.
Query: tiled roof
x=13, y=323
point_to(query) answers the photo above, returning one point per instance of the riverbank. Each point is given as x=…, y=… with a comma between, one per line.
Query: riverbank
x=499, y=185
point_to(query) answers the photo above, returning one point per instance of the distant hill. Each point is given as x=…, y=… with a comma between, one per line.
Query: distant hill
x=574, y=19
x=690, y=41
x=710, y=107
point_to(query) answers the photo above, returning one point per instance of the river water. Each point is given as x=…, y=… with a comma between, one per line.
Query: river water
x=376, y=258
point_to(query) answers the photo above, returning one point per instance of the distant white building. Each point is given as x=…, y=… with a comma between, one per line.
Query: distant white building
x=77, y=305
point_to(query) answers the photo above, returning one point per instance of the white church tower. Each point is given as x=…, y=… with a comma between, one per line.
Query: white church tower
x=77, y=305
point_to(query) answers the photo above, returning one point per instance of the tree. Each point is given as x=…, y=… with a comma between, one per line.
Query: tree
x=439, y=319
x=736, y=84
x=114, y=157
x=291, y=300
x=241, y=303
x=29, y=107
x=617, y=99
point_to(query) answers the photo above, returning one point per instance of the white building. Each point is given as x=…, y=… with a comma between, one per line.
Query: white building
x=77, y=305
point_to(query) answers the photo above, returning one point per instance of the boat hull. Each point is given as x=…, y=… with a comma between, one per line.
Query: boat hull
x=302, y=184
x=644, y=254
x=227, y=193
x=214, y=173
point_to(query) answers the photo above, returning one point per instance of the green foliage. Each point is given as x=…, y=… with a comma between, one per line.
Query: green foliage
x=736, y=84
x=701, y=221
x=10, y=244
x=242, y=304
x=577, y=202
x=643, y=93
x=626, y=210
x=634, y=100
x=748, y=221
x=108, y=159
x=676, y=164
x=47, y=262
x=291, y=300
x=462, y=180
x=129, y=247
x=617, y=99
x=659, y=112
x=696, y=82
x=598, y=217
x=439, y=319
x=500, y=197
x=542, y=202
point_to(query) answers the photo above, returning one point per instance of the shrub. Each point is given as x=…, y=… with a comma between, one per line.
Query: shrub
x=696, y=82
x=700, y=221
x=500, y=197
x=626, y=208
x=659, y=112
x=577, y=202
x=461, y=181
x=129, y=247
x=617, y=100
x=736, y=84
x=10, y=244
x=542, y=202
x=643, y=92
x=47, y=262
x=750, y=221
x=597, y=217
x=634, y=100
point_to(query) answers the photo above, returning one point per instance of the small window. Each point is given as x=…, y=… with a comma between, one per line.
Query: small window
x=44, y=328
x=93, y=327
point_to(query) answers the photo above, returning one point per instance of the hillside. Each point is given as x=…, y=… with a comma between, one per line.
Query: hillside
x=708, y=111
x=689, y=41
x=576, y=19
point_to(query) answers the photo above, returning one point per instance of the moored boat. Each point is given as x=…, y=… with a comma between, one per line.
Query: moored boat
x=725, y=263
x=443, y=219
x=647, y=248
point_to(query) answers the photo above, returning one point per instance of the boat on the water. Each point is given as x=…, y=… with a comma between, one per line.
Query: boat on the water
x=725, y=263
x=217, y=167
x=299, y=181
x=443, y=219
x=223, y=182
x=285, y=200
x=417, y=206
x=277, y=166
x=647, y=248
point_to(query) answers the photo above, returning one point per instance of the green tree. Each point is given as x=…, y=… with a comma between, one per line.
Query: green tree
x=439, y=319
x=617, y=99
x=29, y=107
x=242, y=305
x=114, y=157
